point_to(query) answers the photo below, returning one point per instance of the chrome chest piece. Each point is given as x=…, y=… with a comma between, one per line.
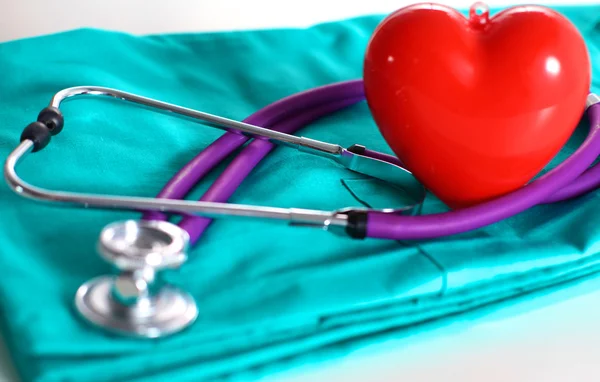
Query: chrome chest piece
x=137, y=301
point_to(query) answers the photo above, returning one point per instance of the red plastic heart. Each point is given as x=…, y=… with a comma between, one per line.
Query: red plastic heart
x=476, y=106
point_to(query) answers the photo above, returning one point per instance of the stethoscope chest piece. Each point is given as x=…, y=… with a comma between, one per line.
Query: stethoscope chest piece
x=136, y=301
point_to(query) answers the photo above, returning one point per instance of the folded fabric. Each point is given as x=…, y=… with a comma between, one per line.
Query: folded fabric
x=267, y=292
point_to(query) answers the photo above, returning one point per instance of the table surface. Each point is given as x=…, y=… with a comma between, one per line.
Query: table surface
x=554, y=337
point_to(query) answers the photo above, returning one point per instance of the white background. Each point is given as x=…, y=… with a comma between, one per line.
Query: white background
x=22, y=18
x=559, y=340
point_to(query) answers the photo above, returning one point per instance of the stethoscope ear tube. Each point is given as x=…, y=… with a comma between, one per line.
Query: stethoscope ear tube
x=356, y=222
x=37, y=136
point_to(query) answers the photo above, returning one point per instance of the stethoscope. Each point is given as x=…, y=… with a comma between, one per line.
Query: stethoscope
x=137, y=301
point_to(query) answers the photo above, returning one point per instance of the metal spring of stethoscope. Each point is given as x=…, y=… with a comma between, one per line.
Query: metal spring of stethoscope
x=137, y=302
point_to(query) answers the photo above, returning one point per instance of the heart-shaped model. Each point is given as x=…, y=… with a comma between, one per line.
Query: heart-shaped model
x=476, y=106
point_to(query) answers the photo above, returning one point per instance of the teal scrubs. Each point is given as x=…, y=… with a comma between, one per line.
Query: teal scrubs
x=268, y=293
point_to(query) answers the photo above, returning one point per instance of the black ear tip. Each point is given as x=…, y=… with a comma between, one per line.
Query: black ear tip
x=52, y=118
x=38, y=133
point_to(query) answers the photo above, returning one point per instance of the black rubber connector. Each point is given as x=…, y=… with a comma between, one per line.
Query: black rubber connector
x=357, y=224
x=38, y=133
x=357, y=149
x=52, y=118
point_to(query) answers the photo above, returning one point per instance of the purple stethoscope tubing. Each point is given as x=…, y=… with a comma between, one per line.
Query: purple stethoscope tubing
x=574, y=177
x=141, y=248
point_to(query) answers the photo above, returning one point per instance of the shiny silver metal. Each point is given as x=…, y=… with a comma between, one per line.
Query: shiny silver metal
x=210, y=209
x=399, y=177
x=137, y=302
x=592, y=99
x=385, y=171
x=170, y=311
x=194, y=115
x=133, y=244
